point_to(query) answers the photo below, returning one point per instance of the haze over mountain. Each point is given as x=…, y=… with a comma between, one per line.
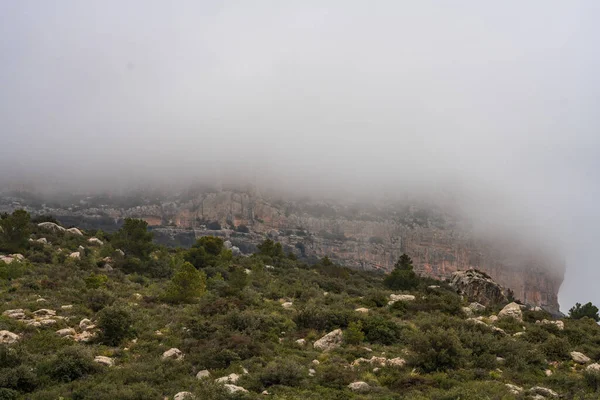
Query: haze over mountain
x=493, y=104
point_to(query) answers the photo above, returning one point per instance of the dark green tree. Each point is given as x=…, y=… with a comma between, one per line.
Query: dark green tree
x=116, y=324
x=14, y=231
x=206, y=252
x=586, y=310
x=133, y=238
x=271, y=249
x=402, y=277
x=186, y=284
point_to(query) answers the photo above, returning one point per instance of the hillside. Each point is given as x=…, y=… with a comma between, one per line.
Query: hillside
x=88, y=315
x=363, y=236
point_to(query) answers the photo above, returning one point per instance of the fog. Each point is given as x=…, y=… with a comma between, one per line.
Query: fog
x=496, y=102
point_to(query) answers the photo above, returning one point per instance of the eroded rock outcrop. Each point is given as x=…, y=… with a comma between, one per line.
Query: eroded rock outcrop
x=478, y=287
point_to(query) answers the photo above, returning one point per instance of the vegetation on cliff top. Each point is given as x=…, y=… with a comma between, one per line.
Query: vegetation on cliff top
x=94, y=322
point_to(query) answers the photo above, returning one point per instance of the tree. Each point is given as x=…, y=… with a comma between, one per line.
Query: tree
x=271, y=249
x=14, y=231
x=587, y=310
x=354, y=333
x=133, y=238
x=187, y=284
x=402, y=277
x=205, y=252
x=116, y=325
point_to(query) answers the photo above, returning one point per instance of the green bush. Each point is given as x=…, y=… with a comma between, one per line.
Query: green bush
x=69, y=364
x=437, y=350
x=97, y=299
x=186, y=284
x=354, y=333
x=283, y=372
x=116, y=325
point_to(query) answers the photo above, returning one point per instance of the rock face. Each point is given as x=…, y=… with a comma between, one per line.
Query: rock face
x=438, y=239
x=478, y=286
x=330, y=341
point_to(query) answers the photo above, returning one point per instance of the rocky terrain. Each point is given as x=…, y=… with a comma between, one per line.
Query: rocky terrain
x=360, y=236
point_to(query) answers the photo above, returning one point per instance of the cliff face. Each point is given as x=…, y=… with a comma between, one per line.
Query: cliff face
x=438, y=245
x=358, y=236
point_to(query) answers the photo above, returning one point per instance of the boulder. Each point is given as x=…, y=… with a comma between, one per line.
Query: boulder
x=301, y=342
x=42, y=240
x=375, y=361
x=17, y=313
x=359, y=386
x=396, y=362
x=595, y=367
x=173, y=353
x=400, y=297
x=514, y=389
x=478, y=287
x=542, y=391
x=84, y=337
x=477, y=307
x=75, y=231
x=579, y=358
x=312, y=372
x=183, y=396
x=236, y=251
x=315, y=362
x=85, y=324
x=227, y=244
x=287, y=304
x=109, y=362
x=96, y=241
x=362, y=310
x=468, y=312
x=7, y=337
x=120, y=252
x=234, y=389
x=67, y=307
x=75, y=254
x=66, y=332
x=204, y=374
x=330, y=341
x=511, y=310
x=44, y=312
x=7, y=259
x=51, y=226
x=231, y=378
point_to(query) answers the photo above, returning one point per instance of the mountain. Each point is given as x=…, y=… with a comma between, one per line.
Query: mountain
x=364, y=236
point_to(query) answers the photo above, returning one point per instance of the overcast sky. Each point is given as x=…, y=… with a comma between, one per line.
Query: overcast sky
x=500, y=98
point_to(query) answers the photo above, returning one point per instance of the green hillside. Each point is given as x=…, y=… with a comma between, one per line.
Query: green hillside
x=118, y=317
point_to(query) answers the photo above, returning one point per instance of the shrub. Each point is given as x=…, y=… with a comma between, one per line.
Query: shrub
x=354, y=333
x=14, y=231
x=282, y=372
x=437, y=350
x=587, y=310
x=133, y=238
x=556, y=348
x=381, y=330
x=186, y=284
x=97, y=299
x=69, y=364
x=115, y=324
x=94, y=281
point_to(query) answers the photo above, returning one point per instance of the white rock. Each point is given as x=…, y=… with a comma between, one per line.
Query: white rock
x=84, y=337
x=17, y=313
x=400, y=297
x=287, y=304
x=359, y=386
x=231, y=378
x=183, y=396
x=476, y=306
x=543, y=391
x=44, y=312
x=396, y=362
x=315, y=362
x=548, y=372
x=66, y=332
x=301, y=342
x=559, y=324
x=120, y=252
x=67, y=307
x=579, y=358
x=173, y=353
x=7, y=337
x=493, y=318
x=514, y=389
x=51, y=226
x=85, y=324
x=41, y=300
x=380, y=361
x=362, y=310
x=227, y=244
x=42, y=240
x=203, y=374
x=234, y=389
x=468, y=312
x=109, y=362
x=94, y=240
x=247, y=271
x=311, y=372
x=330, y=341
x=75, y=254
x=595, y=367
x=75, y=231
x=269, y=267
x=519, y=334
x=512, y=310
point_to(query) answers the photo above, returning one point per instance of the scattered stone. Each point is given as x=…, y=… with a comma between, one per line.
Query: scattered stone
x=511, y=310
x=44, y=312
x=316, y=362
x=17, y=313
x=362, y=310
x=227, y=244
x=109, y=362
x=514, y=389
x=468, y=312
x=84, y=337
x=433, y=287
x=137, y=296
x=231, y=378
x=51, y=226
x=312, y=372
x=264, y=393
x=498, y=330
x=269, y=267
x=234, y=389
x=396, y=362
x=579, y=358
x=42, y=240
x=519, y=334
x=493, y=318
x=548, y=372
x=400, y=297
x=204, y=374
x=236, y=251
x=330, y=341
x=120, y=252
x=66, y=332
x=287, y=304
x=94, y=240
x=75, y=254
x=301, y=342
x=247, y=271
x=173, y=353
x=559, y=324
x=67, y=307
x=540, y=390
x=359, y=386
x=75, y=231
x=183, y=396
x=477, y=321
x=380, y=361
x=41, y=300
x=476, y=307
x=7, y=337
x=85, y=324
x=595, y=367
